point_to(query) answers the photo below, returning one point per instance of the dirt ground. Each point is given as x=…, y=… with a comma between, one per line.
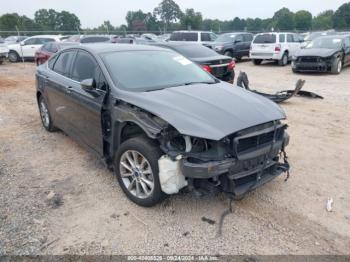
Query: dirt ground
x=90, y=214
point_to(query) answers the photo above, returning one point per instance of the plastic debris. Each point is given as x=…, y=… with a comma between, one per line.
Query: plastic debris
x=329, y=205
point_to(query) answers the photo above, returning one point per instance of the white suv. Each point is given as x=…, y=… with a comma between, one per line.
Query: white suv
x=274, y=46
x=27, y=48
x=193, y=36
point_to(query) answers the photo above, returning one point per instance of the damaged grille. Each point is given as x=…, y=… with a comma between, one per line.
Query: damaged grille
x=259, y=138
x=310, y=59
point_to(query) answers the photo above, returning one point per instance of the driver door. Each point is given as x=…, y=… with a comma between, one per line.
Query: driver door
x=86, y=105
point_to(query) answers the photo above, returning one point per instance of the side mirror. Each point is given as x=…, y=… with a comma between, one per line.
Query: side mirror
x=88, y=84
x=22, y=43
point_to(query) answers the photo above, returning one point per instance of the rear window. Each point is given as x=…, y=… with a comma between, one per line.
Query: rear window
x=96, y=39
x=265, y=39
x=184, y=36
x=195, y=51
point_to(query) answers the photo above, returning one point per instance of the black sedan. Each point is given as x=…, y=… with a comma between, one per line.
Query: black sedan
x=161, y=122
x=222, y=67
x=323, y=54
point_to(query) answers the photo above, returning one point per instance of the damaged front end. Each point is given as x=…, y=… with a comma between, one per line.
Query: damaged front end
x=235, y=165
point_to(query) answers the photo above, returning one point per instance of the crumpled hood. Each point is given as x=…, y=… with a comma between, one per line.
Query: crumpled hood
x=319, y=52
x=210, y=111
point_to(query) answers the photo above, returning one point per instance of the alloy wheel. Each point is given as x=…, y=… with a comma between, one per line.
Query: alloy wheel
x=136, y=174
x=44, y=113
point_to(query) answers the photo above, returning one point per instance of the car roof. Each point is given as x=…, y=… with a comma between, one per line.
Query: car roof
x=333, y=36
x=99, y=48
x=47, y=36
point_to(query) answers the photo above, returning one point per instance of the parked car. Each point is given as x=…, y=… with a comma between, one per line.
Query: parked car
x=3, y=51
x=88, y=39
x=323, y=54
x=160, y=121
x=274, y=46
x=193, y=36
x=234, y=45
x=222, y=67
x=50, y=48
x=14, y=39
x=164, y=37
x=29, y=46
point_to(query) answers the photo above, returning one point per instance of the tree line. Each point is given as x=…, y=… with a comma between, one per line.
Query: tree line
x=168, y=16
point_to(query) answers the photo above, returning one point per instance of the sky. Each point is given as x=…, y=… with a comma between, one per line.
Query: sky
x=92, y=13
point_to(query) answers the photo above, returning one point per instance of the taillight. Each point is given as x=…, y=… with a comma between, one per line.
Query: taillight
x=278, y=48
x=207, y=68
x=231, y=65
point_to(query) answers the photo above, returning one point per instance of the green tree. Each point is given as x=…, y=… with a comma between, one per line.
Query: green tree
x=303, y=20
x=67, y=21
x=191, y=19
x=238, y=24
x=323, y=21
x=168, y=11
x=341, y=18
x=136, y=20
x=254, y=24
x=8, y=22
x=47, y=18
x=284, y=19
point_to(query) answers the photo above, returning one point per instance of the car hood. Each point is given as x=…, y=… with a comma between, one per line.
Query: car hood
x=210, y=111
x=320, y=52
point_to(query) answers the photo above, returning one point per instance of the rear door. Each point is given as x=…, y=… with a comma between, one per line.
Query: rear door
x=86, y=106
x=264, y=45
x=347, y=51
x=30, y=47
x=293, y=44
x=57, y=88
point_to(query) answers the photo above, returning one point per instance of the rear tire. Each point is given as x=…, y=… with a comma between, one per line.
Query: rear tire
x=284, y=60
x=45, y=116
x=228, y=53
x=337, y=66
x=133, y=176
x=13, y=56
x=257, y=61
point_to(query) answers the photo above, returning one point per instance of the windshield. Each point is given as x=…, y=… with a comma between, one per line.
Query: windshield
x=265, y=39
x=153, y=70
x=226, y=38
x=328, y=43
x=195, y=51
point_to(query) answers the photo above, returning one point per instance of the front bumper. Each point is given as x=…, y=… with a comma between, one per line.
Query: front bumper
x=311, y=66
x=244, y=173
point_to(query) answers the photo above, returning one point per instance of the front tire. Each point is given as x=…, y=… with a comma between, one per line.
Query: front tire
x=337, y=66
x=228, y=53
x=45, y=116
x=13, y=57
x=136, y=168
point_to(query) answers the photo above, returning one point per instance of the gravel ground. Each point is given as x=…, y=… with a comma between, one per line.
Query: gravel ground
x=56, y=198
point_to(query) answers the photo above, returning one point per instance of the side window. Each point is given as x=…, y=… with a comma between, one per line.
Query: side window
x=46, y=40
x=248, y=38
x=63, y=62
x=52, y=61
x=290, y=38
x=32, y=41
x=205, y=37
x=85, y=67
x=282, y=38
x=213, y=37
x=239, y=38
